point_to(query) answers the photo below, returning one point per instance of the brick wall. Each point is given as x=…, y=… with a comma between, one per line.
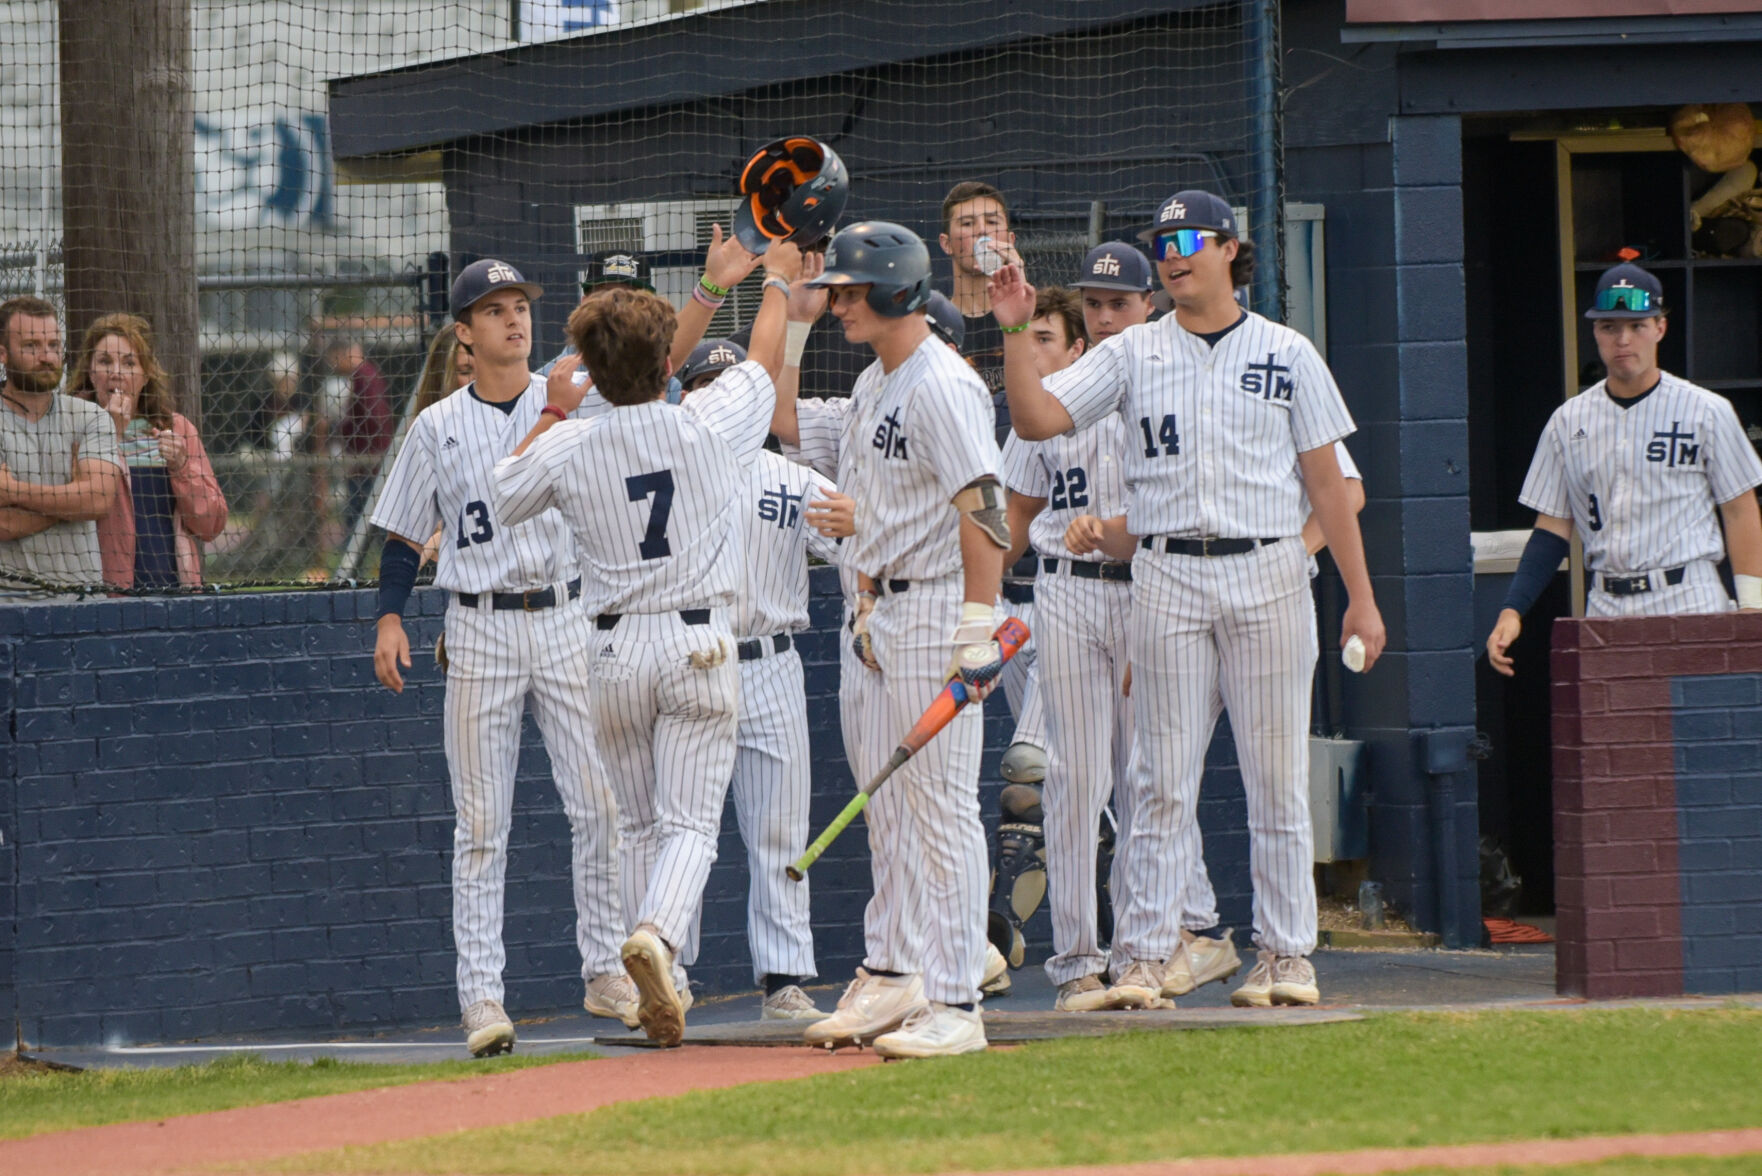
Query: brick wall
x=214, y=820
x=1658, y=804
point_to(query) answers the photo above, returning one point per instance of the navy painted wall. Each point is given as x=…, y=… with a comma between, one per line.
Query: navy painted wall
x=216, y=821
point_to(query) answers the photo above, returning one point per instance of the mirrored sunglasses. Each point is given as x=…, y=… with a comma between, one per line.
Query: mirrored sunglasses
x=1629, y=298
x=1182, y=242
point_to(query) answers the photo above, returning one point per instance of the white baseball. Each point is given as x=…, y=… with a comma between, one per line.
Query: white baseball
x=1353, y=655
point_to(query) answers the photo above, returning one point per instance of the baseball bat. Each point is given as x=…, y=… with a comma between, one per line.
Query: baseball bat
x=1010, y=637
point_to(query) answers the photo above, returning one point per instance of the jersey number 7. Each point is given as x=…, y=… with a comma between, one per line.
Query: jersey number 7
x=654, y=543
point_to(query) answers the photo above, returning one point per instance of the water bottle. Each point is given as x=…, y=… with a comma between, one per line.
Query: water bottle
x=1370, y=905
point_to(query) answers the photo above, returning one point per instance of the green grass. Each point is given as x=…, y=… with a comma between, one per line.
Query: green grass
x=32, y=1102
x=1634, y=1166
x=1392, y=1080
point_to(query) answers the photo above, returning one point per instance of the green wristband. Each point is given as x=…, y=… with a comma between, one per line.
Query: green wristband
x=711, y=288
x=1015, y=330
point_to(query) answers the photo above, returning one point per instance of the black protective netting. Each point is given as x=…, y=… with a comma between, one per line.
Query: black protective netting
x=348, y=157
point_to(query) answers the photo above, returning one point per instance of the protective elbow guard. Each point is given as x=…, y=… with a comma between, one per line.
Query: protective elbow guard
x=982, y=501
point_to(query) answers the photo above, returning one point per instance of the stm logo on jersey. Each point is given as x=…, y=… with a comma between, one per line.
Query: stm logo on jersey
x=450, y=443
x=501, y=273
x=780, y=506
x=1107, y=266
x=1268, y=380
x=1673, y=447
x=888, y=437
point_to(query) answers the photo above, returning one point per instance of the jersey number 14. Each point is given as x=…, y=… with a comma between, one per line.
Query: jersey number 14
x=1166, y=434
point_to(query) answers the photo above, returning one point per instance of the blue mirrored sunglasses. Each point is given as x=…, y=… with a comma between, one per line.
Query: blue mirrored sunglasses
x=1629, y=298
x=1183, y=242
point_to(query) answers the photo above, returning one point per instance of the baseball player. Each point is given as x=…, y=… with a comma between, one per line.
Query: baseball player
x=515, y=631
x=1230, y=421
x=914, y=447
x=1637, y=462
x=651, y=491
x=772, y=775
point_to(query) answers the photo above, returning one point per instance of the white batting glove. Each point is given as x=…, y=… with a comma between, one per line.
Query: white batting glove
x=977, y=660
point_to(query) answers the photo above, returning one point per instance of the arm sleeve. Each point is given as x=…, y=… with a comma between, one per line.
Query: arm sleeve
x=1318, y=413
x=737, y=406
x=526, y=486
x=1544, y=487
x=407, y=504
x=200, y=505
x=1732, y=465
x=827, y=549
x=1023, y=469
x=822, y=424
x=956, y=427
x=1093, y=386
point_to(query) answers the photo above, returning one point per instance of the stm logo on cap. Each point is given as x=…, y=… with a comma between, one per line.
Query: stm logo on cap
x=1174, y=210
x=722, y=355
x=501, y=272
x=620, y=265
x=1108, y=266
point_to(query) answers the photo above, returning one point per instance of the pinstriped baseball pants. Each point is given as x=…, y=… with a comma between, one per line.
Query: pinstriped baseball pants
x=1240, y=628
x=498, y=661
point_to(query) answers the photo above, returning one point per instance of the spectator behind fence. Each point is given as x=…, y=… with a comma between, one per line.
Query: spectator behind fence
x=365, y=431
x=167, y=503
x=61, y=465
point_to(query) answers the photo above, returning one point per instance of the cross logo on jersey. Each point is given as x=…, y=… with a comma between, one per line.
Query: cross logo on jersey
x=1269, y=380
x=780, y=506
x=1673, y=447
x=889, y=438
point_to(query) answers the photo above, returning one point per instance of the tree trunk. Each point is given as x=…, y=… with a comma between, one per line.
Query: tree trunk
x=128, y=176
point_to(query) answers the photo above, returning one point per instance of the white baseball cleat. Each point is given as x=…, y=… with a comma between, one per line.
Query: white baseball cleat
x=1085, y=994
x=934, y=1031
x=790, y=1003
x=1256, y=992
x=1294, y=981
x=613, y=995
x=871, y=1005
x=487, y=1029
x=659, y=1009
x=1139, y=987
x=995, y=981
x=1198, y=961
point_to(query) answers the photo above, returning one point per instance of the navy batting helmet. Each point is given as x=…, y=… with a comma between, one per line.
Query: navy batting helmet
x=795, y=189
x=890, y=259
x=712, y=357
x=945, y=319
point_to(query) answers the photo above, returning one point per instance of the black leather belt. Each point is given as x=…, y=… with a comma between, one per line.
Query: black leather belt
x=1017, y=592
x=1635, y=585
x=1204, y=547
x=538, y=598
x=1085, y=570
x=753, y=648
x=691, y=616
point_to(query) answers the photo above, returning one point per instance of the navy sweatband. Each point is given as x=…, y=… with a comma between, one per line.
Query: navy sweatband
x=1535, y=571
x=397, y=576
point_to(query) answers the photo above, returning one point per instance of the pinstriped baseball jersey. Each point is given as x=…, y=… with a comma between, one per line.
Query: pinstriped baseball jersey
x=1080, y=473
x=775, y=542
x=1640, y=482
x=905, y=443
x=444, y=475
x=650, y=492
x=1213, y=431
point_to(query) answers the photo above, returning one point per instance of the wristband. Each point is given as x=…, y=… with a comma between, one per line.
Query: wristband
x=398, y=565
x=1535, y=569
x=1016, y=330
x=710, y=288
x=698, y=296
x=795, y=341
x=774, y=282
x=553, y=410
x=1749, y=590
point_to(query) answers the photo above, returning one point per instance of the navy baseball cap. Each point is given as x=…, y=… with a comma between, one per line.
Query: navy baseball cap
x=709, y=358
x=480, y=279
x=1192, y=209
x=945, y=319
x=1114, y=266
x=1626, y=291
x=612, y=266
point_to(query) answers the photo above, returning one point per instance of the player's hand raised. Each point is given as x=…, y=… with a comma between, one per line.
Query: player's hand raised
x=1084, y=535
x=391, y=649
x=1505, y=631
x=1362, y=620
x=727, y=263
x=1012, y=298
x=560, y=386
x=783, y=260
x=807, y=303
x=832, y=514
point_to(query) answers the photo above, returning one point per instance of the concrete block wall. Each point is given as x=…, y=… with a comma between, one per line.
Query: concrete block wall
x=1658, y=804
x=214, y=820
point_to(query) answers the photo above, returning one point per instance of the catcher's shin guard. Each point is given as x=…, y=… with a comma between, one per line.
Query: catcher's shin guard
x=1018, y=880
